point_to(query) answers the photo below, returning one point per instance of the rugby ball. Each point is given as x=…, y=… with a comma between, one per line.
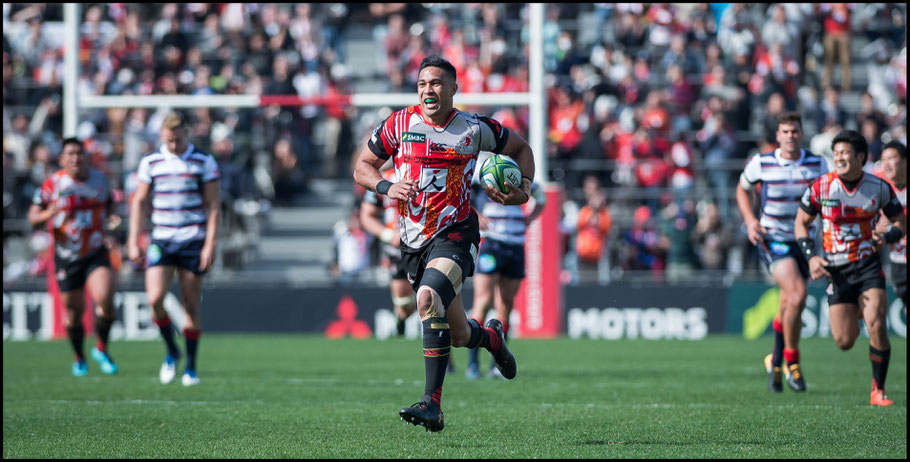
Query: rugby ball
x=498, y=170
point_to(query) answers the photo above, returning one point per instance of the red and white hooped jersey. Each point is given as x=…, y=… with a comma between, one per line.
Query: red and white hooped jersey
x=78, y=227
x=898, y=252
x=441, y=160
x=849, y=216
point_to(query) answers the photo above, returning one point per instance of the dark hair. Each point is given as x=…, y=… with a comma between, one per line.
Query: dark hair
x=855, y=139
x=897, y=145
x=790, y=118
x=438, y=61
x=72, y=140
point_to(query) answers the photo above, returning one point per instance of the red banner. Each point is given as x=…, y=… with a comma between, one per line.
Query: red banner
x=538, y=302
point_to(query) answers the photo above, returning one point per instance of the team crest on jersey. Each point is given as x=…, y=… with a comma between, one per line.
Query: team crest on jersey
x=779, y=248
x=486, y=263
x=154, y=254
x=433, y=180
x=411, y=137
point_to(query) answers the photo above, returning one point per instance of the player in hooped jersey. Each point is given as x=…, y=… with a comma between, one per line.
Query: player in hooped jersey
x=434, y=148
x=783, y=174
x=501, y=261
x=894, y=170
x=849, y=201
x=181, y=184
x=77, y=202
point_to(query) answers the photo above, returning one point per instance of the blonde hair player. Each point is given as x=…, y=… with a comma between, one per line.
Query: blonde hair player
x=181, y=184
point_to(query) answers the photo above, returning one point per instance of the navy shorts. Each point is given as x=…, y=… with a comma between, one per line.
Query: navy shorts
x=457, y=243
x=497, y=257
x=850, y=280
x=398, y=269
x=72, y=275
x=185, y=255
x=771, y=252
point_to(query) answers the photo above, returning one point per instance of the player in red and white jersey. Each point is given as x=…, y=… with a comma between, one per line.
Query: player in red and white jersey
x=849, y=201
x=77, y=202
x=434, y=148
x=379, y=216
x=894, y=169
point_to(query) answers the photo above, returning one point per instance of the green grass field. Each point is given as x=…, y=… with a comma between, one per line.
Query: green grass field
x=307, y=397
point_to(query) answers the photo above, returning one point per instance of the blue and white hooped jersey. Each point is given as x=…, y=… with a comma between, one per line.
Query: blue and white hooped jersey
x=783, y=183
x=505, y=223
x=178, y=211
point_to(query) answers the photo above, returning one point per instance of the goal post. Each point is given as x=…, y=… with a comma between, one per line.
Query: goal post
x=539, y=301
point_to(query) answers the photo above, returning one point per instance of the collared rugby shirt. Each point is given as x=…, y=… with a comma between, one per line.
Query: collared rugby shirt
x=783, y=183
x=178, y=211
x=849, y=215
x=78, y=226
x=441, y=160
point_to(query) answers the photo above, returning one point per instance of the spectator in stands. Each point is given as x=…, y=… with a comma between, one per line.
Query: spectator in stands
x=836, y=40
x=867, y=110
x=593, y=231
x=17, y=140
x=773, y=109
x=713, y=238
x=350, y=256
x=232, y=49
x=778, y=30
x=830, y=110
x=680, y=55
x=735, y=33
x=718, y=143
x=677, y=229
x=630, y=32
x=778, y=70
x=289, y=178
x=872, y=132
x=641, y=245
x=682, y=175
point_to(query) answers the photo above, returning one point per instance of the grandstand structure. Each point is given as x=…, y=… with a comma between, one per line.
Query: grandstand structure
x=271, y=236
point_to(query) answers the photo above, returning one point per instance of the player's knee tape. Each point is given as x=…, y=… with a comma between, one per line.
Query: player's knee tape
x=404, y=301
x=437, y=339
x=441, y=290
x=451, y=270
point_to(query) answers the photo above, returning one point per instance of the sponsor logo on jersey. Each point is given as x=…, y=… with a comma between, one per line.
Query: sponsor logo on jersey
x=411, y=137
x=830, y=203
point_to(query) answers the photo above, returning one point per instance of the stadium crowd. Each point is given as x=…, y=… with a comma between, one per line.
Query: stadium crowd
x=653, y=109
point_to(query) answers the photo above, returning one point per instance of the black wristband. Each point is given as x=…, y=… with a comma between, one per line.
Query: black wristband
x=528, y=178
x=807, y=246
x=383, y=187
x=893, y=235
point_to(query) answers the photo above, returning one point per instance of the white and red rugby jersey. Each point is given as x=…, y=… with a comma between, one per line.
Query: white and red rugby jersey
x=898, y=253
x=441, y=160
x=849, y=215
x=78, y=227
